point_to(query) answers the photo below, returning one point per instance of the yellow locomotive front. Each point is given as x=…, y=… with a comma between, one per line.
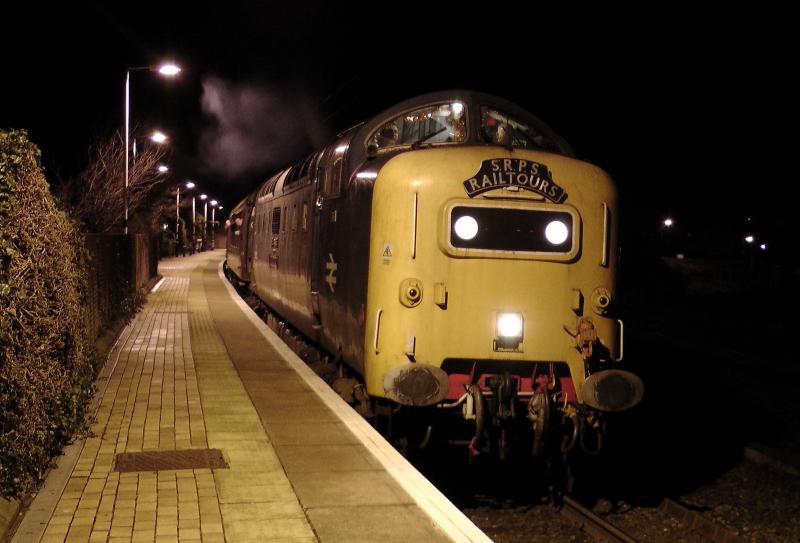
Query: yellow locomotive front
x=492, y=282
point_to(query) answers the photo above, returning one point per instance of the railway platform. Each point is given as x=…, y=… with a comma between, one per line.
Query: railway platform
x=208, y=428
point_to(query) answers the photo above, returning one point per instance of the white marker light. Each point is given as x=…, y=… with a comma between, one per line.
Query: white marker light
x=509, y=325
x=763, y=246
x=158, y=137
x=163, y=169
x=466, y=227
x=749, y=239
x=556, y=232
x=668, y=222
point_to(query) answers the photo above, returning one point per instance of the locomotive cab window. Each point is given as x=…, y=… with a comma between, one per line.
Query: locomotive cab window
x=497, y=128
x=440, y=123
x=299, y=172
x=331, y=166
x=333, y=178
x=511, y=232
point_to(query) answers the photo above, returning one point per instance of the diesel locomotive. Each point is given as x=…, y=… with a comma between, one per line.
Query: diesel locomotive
x=455, y=255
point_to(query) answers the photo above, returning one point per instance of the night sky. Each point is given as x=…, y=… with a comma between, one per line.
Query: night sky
x=680, y=106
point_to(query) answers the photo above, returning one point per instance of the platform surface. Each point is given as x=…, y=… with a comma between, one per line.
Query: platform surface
x=194, y=371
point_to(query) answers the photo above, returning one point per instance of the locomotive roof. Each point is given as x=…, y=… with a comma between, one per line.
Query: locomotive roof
x=362, y=131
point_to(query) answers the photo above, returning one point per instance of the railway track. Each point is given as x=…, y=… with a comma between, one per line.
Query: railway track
x=594, y=525
x=714, y=532
x=602, y=530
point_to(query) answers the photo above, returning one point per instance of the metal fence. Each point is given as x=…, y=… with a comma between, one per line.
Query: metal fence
x=119, y=266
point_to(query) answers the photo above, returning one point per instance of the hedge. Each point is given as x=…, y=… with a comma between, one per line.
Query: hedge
x=46, y=364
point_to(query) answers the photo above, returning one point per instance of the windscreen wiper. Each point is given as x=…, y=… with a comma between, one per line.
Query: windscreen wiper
x=427, y=136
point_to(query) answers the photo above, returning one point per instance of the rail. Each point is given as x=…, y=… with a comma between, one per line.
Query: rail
x=709, y=529
x=594, y=525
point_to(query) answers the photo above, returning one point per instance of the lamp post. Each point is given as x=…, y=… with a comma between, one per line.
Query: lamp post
x=204, y=197
x=194, y=214
x=166, y=70
x=213, y=222
x=189, y=186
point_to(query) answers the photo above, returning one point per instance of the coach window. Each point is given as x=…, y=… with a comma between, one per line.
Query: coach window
x=498, y=128
x=440, y=123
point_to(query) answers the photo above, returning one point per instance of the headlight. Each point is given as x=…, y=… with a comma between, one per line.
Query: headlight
x=509, y=325
x=466, y=227
x=556, y=232
x=519, y=232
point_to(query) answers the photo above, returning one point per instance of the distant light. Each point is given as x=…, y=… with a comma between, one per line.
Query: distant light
x=749, y=239
x=158, y=137
x=763, y=246
x=162, y=168
x=213, y=202
x=367, y=175
x=203, y=196
x=220, y=207
x=341, y=149
x=189, y=185
x=458, y=107
x=164, y=226
x=668, y=222
x=169, y=69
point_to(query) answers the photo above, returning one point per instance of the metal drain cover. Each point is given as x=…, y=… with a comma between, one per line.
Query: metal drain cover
x=170, y=460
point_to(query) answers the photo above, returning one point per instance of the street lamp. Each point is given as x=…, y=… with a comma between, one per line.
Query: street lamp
x=158, y=136
x=169, y=70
